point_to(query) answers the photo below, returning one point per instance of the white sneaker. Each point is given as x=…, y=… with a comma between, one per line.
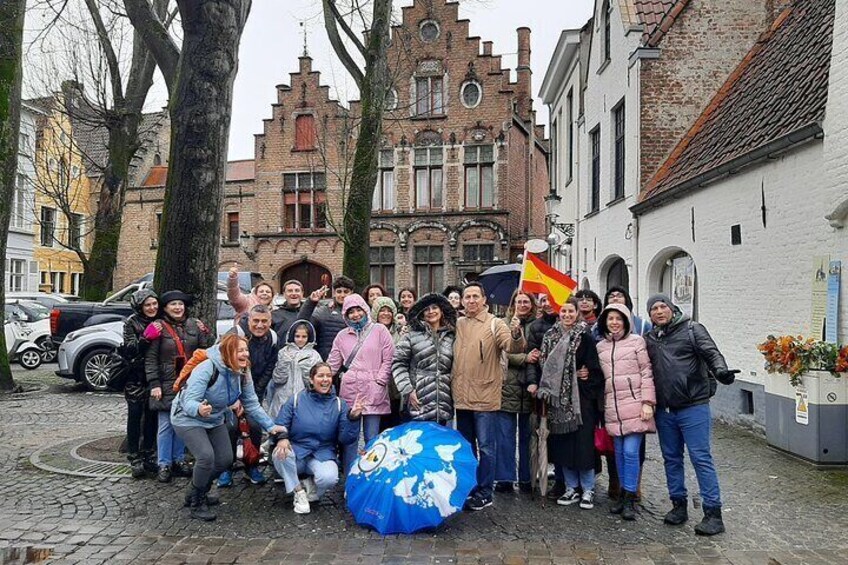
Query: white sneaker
x=587, y=501
x=309, y=486
x=570, y=497
x=301, y=502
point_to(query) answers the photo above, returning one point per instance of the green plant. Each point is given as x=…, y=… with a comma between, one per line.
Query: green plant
x=794, y=356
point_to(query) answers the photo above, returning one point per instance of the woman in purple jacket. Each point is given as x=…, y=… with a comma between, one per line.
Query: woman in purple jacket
x=365, y=379
x=629, y=399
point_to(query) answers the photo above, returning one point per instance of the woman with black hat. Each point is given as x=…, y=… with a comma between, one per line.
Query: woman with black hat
x=174, y=337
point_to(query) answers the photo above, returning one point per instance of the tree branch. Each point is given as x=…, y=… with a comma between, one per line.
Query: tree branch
x=155, y=35
x=108, y=51
x=345, y=27
x=338, y=45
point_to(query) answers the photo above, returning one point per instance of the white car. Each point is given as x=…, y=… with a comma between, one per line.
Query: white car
x=37, y=318
x=84, y=354
x=48, y=299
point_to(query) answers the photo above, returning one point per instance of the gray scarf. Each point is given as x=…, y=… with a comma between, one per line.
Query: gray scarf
x=558, y=386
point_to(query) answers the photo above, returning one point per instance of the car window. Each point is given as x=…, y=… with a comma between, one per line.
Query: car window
x=124, y=294
x=35, y=311
x=8, y=310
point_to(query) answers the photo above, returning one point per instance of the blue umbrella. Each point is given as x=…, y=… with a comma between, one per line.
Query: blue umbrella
x=500, y=282
x=411, y=477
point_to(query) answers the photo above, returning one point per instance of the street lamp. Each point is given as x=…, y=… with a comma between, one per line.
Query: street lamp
x=562, y=234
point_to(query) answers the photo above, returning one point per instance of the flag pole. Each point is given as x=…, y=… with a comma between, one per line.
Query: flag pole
x=523, y=267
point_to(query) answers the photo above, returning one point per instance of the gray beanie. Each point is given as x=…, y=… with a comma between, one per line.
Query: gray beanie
x=664, y=299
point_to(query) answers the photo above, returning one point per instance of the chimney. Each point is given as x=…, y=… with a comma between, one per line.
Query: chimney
x=72, y=92
x=487, y=48
x=524, y=96
x=305, y=64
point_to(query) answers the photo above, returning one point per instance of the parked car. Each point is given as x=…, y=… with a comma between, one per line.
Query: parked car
x=246, y=280
x=84, y=353
x=68, y=317
x=37, y=316
x=48, y=299
x=19, y=345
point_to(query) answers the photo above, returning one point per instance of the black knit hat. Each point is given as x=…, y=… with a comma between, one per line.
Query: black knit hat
x=416, y=312
x=173, y=295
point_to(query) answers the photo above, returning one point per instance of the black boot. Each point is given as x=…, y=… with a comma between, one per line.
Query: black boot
x=712, y=523
x=164, y=474
x=617, y=505
x=628, y=509
x=199, y=507
x=210, y=499
x=150, y=464
x=136, y=466
x=181, y=469
x=679, y=514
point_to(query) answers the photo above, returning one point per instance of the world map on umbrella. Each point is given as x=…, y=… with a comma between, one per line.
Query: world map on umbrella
x=414, y=469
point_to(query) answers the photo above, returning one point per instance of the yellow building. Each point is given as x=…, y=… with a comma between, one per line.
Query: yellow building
x=62, y=215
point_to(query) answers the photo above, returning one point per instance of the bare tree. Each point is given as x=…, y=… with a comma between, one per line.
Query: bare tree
x=200, y=78
x=11, y=47
x=373, y=81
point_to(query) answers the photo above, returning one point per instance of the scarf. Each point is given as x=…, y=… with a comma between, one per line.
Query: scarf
x=558, y=385
x=359, y=325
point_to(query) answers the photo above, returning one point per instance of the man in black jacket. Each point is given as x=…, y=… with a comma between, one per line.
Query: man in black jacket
x=686, y=364
x=294, y=308
x=327, y=319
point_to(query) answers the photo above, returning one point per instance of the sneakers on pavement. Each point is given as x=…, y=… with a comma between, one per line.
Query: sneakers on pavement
x=301, y=502
x=137, y=467
x=587, y=500
x=164, y=474
x=225, y=479
x=478, y=502
x=309, y=486
x=569, y=497
x=256, y=477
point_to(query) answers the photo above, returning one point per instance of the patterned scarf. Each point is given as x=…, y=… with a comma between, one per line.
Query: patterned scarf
x=558, y=385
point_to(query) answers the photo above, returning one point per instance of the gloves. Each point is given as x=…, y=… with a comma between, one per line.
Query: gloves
x=727, y=377
x=151, y=332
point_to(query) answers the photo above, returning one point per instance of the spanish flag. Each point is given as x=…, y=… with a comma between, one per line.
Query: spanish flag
x=539, y=277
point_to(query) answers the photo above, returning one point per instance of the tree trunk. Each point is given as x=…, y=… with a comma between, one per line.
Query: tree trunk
x=11, y=41
x=200, y=107
x=373, y=91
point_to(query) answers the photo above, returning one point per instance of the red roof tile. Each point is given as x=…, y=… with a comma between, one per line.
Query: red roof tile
x=657, y=16
x=237, y=171
x=156, y=177
x=778, y=89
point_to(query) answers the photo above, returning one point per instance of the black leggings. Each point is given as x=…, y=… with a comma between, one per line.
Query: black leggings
x=211, y=449
x=142, y=426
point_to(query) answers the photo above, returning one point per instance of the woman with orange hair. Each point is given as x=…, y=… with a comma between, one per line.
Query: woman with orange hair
x=217, y=387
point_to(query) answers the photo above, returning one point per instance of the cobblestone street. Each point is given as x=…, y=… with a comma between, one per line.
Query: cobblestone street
x=777, y=510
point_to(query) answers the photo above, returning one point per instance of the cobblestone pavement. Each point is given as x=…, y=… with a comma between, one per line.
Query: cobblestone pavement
x=777, y=510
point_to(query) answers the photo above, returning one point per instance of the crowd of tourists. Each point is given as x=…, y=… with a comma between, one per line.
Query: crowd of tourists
x=328, y=370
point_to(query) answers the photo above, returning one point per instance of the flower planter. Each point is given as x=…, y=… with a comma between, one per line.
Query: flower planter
x=819, y=434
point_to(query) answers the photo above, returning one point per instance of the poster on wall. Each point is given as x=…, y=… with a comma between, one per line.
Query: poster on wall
x=802, y=407
x=834, y=275
x=684, y=284
x=819, y=310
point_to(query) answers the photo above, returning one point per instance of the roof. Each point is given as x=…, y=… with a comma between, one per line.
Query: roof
x=656, y=16
x=237, y=171
x=777, y=95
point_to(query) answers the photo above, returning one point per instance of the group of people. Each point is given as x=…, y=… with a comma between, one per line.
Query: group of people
x=320, y=375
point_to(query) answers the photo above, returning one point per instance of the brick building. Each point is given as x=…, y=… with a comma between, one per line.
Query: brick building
x=463, y=169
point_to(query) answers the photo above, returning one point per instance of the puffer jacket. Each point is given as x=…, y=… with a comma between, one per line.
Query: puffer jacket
x=316, y=423
x=683, y=354
x=423, y=361
x=369, y=374
x=291, y=374
x=133, y=350
x=514, y=395
x=536, y=331
x=161, y=356
x=629, y=382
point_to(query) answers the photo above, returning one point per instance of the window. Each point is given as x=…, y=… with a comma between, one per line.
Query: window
x=607, y=19
x=304, y=136
x=569, y=101
x=479, y=176
x=618, y=126
x=75, y=227
x=20, y=204
x=391, y=100
x=57, y=281
x=429, y=31
x=478, y=252
x=75, y=283
x=17, y=275
x=429, y=268
x=595, y=140
x=472, y=93
x=304, y=198
x=23, y=144
x=554, y=162
x=618, y=275
x=232, y=227
x=429, y=96
x=428, y=177
x=48, y=225
x=382, y=261
x=384, y=192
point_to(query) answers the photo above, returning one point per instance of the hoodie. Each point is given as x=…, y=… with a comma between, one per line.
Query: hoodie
x=291, y=373
x=135, y=346
x=228, y=387
x=383, y=302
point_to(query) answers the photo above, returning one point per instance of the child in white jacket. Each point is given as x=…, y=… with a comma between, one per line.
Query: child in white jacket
x=295, y=360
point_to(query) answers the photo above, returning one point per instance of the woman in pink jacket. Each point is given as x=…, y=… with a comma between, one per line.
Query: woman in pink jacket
x=629, y=399
x=262, y=293
x=367, y=377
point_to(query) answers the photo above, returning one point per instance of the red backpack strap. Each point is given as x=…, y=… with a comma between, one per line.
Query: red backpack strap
x=173, y=333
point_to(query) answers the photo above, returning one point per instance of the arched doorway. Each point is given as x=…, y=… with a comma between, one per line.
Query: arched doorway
x=306, y=272
x=617, y=275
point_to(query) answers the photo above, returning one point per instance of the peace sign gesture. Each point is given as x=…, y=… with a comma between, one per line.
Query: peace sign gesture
x=358, y=407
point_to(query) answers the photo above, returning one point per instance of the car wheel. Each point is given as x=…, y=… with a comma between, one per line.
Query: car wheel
x=30, y=359
x=48, y=354
x=94, y=369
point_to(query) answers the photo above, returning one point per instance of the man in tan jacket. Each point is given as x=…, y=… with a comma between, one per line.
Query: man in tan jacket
x=476, y=382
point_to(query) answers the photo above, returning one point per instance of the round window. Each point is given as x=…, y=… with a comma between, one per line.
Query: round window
x=471, y=94
x=429, y=31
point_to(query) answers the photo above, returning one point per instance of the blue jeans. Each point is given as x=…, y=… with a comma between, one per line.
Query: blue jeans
x=324, y=473
x=171, y=448
x=481, y=430
x=689, y=427
x=370, y=427
x=627, y=460
x=584, y=478
x=505, y=460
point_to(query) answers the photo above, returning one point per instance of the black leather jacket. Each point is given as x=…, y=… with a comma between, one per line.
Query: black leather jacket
x=684, y=359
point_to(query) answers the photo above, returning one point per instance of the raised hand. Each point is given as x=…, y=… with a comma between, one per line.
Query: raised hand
x=358, y=407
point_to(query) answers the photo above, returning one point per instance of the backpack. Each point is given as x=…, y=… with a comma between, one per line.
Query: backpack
x=710, y=377
x=197, y=358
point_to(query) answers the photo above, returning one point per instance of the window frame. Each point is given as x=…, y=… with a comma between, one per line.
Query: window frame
x=595, y=170
x=384, y=266
x=20, y=218
x=607, y=22
x=20, y=277
x=570, y=136
x=47, y=229
x=619, y=150
x=479, y=165
x=315, y=203
x=75, y=231
x=434, y=269
x=431, y=169
x=383, y=201
x=430, y=110
x=230, y=223
x=479, y=93
x=301, y=143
